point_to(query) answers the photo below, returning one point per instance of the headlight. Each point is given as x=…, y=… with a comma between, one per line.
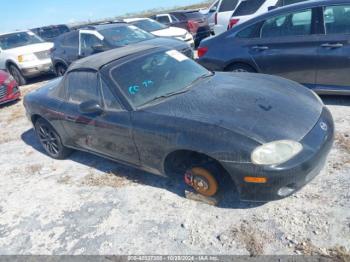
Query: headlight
x=26, y=58
x=276, y=152
x=9, y=80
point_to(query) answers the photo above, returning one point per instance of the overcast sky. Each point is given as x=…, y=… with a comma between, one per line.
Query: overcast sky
x=20, y=14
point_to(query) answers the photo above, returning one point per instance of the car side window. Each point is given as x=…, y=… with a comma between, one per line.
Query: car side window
x=250, y=32
x=110, y=101
x=87, y=42
x=248, y=7
x=292, y=24
x=71, y=40
x=337, y=19
x=228, y=5
x=164, y=19
x=174, y=18
x=82, y=86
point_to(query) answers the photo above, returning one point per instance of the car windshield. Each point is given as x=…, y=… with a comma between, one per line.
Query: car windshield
x=125, y=35
x=149, y=25
x=157, y=76
x=19, y=39
x=52, y=32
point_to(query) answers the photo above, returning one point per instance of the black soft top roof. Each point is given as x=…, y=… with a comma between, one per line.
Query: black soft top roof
x=95, y=62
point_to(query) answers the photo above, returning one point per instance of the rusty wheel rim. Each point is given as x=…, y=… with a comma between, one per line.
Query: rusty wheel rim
x=204, y=182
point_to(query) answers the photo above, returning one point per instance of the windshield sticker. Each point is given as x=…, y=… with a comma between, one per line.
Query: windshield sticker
x=134, y=89
x=177, y=55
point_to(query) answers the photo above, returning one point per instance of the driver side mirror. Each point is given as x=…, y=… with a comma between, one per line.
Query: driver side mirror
x=213, y=9
x=98, y=48
x=90, y=107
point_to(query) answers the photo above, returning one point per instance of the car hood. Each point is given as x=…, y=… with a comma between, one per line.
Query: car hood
x=30, y=49
x=170, y=32
x=168, y=42
x=261, y=107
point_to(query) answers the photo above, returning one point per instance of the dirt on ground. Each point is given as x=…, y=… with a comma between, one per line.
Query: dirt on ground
x=89, y=205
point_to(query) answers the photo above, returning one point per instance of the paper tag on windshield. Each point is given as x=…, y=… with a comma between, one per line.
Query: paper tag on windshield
x=177, y=55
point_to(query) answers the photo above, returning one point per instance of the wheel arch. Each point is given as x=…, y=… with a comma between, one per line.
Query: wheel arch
x=241, y=62
x=58, y=62
x=35, y=117
x=10, y=62
x=173, y=160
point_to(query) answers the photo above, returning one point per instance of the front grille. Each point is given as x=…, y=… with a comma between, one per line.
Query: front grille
x=43, y=55
x=3, y=91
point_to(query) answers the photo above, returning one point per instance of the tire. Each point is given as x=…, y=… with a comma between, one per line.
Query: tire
x=17, y=75
x=241, y=68
x=203, y=178
x=50, y=140
x=60, y=69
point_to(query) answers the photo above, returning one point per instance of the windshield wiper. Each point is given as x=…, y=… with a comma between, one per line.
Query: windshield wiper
x=200, y=78
x=163, y=96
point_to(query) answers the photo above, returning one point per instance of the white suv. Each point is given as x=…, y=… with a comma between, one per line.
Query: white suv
x=223, y=14
x=24, y=55
x=158, y=29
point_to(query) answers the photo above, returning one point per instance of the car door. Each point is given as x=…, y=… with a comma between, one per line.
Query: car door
x=70, y=47
x=88, y=39
x=288, y=46
x=334, y=51
x=107, y=133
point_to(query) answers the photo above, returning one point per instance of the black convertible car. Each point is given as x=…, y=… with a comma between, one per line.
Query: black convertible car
x=156, y=109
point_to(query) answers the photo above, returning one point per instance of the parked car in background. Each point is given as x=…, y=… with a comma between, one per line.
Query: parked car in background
x=223, y=14
x=24, y=55
x=49, y=33
x=248, y=9
x=99, y=38
x=158, y=29
x=191, y=20
x=210, y=13
x=9, y=90
x=155, y=109
x=307, y=42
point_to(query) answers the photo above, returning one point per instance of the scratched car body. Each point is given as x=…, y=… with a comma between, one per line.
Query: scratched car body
x=155, y=109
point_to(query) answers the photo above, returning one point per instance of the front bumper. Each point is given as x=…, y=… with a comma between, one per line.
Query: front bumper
x=9, y=93
x=35, y=68
x=294, y=174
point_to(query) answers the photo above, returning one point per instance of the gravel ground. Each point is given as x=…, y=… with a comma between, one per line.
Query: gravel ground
x=88, y=205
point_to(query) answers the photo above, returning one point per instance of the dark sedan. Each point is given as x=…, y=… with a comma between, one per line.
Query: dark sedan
x=158, y=110
x=97, y=38
x=307, y=42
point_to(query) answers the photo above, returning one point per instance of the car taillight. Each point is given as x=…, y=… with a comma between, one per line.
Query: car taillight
x=192, y=26
x=202, y=51
x=232, y=23
x=52, y=49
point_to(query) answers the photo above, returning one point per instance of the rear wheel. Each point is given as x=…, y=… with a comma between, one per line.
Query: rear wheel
x=202, y=179
x=241, y=68
x=17, y=75
x=60, y=69
x=50, y=140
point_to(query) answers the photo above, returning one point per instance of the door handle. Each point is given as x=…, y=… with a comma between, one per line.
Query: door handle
x=330, y=45
x=260, y=48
